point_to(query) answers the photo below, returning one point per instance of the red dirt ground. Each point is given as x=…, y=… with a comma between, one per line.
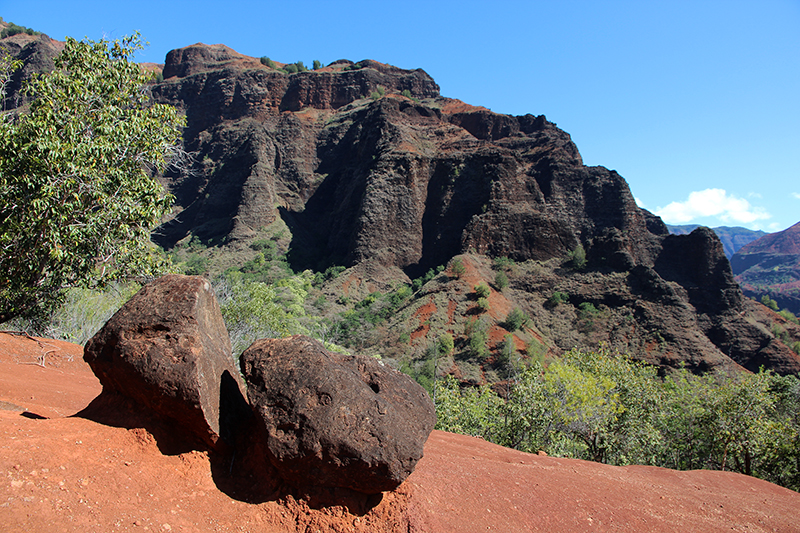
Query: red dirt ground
x=67, y=473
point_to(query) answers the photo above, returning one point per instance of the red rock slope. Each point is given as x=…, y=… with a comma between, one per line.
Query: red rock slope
x=64, y=473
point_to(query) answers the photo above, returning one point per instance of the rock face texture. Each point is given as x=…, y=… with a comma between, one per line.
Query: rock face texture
x=333, y=420
x=401, y=183
x=732, y=237
x=406, y=181
x=167, y=349
x=36, y=53
x=370, y=167
x=771, y=266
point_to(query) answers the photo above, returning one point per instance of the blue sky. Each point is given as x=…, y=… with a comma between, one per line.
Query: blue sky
x=695, y=103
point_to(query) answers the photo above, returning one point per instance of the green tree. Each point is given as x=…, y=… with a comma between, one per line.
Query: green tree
x=507, y=355
x=14, y=29
x=557, y=298
x=251, y=311
x=472, y=411
x=379, y=93
x=445, y=344
x=316, y=64
x=457, y=267
x=477, y=334
x=78, y=188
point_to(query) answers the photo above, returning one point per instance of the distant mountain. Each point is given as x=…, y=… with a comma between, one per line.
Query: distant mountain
x=771, y=266
x=733, y=238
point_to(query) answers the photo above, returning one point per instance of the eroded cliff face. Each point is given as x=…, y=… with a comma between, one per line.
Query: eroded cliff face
x=370, y=167
x=408, y=179
x=36, y=53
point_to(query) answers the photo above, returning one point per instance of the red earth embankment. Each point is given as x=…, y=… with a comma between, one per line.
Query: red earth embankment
x=66, y=473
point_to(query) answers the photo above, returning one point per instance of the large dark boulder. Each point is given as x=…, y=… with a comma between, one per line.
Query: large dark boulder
x=336, y=420
x=168, y=351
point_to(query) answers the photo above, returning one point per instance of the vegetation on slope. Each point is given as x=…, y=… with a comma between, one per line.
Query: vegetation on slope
x=604, y=407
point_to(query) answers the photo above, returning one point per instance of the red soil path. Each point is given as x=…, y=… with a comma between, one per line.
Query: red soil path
x=67, y=473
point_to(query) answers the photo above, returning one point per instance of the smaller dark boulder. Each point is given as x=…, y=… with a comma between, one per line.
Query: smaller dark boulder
x=167, y=349
x=336, y=420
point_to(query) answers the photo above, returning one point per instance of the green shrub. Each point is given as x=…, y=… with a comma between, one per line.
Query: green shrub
x=604, y=407
x=445, y=344
x=483, y=304
x=419, y=282
x=501, y=280
x=316, y=64
x=457, y=267
x=769, y=302
x=261, y=244
x=269, y=63
x=196, y=265
x=14, y=29
x=536, y=351
x=788, y=315
x=516, y=319
x=378, y=94
x=476, y=331
x=587, y=311
x=482, y=290
x=330, y=273
x=507, y=350
x=475, y=411
x=557, y=298
x=576, y=259
x=406, y=93
x=502, y=263
x=81, y=315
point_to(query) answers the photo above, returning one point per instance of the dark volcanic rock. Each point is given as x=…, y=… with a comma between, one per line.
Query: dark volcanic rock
x=203, y=58
x=697, y=263
x=334, y=420
x=36, y=53
x=167, y=349
x=733, y=237
x=369, y=167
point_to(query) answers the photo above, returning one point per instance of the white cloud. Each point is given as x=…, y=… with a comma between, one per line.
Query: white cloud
x=796, y=195
x=712, y=203
x=639, y=203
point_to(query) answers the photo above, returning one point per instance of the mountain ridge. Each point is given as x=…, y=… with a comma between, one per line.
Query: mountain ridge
x=732, y=237
x=366, y=166
x=770, y=266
